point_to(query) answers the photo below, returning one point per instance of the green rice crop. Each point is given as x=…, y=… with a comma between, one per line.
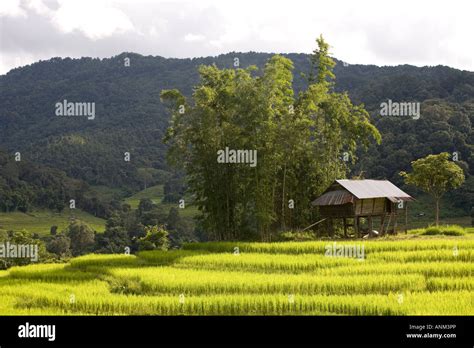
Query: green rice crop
x=98, y=260
x=319, y=247
x=419, y=276
x=264, y=262
x=176, y=281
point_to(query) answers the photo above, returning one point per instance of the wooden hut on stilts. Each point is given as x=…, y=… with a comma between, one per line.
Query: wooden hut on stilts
x=352, y=200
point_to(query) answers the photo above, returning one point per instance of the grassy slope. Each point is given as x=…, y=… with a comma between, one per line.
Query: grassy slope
x=41, y=221
x=156, y=194
x=108, y=193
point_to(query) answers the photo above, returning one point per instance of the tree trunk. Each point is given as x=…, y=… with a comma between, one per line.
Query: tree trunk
x=406, y=217
x=437, y=211
x=283, y=225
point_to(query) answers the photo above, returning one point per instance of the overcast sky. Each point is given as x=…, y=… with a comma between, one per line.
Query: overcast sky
x=366, y=32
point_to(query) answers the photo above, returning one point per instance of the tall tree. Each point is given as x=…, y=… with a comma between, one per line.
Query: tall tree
x=82, y=237
x=298, y=142
x=436, y=175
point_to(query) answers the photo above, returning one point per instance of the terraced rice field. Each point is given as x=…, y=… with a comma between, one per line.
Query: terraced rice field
x=420, y=276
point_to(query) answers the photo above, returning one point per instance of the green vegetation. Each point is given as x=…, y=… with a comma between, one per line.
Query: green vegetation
x=446, y=230
x=307, y=128
x=422, y=214
x=41, y=221
x=417, y=276
x=234, y=109
x=95, y=153
x=60, y=159
x=435, y=174
x=317, y=247
x=156, y=195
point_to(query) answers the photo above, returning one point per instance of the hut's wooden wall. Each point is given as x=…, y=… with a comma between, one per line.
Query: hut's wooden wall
x=341, y=210
x=373, y=206
x=361, y=207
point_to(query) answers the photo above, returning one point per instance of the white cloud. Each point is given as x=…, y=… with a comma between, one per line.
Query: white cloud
x=95, y=19
x=39, y=7
x=11, y=8
x=7, y=62
x=428, y=32
x=194, y=37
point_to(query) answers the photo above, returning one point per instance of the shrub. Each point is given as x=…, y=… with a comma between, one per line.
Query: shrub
x=417, y=231
x=448, y=230
x=296, y=236
x=431, y=231
x=60, y=245
x=82, y=237
x=453, y=231
x=156, y=238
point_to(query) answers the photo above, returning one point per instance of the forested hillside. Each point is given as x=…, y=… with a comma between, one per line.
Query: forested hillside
x=131, y=118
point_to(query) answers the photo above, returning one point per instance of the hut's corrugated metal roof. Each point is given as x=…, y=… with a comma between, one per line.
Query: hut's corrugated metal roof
x=336, y=197
x=362, y=189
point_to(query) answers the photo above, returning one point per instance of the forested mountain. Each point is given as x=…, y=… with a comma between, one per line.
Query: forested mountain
x=129, y=116
x=25, y=185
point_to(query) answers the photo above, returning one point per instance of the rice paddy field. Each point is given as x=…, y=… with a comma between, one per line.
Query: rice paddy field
x=412, y=276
